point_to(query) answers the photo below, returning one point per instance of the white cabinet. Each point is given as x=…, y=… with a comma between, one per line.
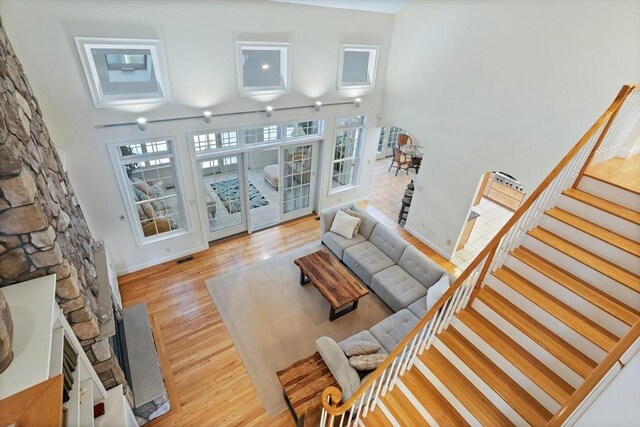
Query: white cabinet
x=39, y=331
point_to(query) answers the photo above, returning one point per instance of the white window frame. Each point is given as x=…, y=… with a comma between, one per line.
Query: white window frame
x=374, y=52
x=100, y=100
x=285, y=61
x=358, y=156
x=123, y=183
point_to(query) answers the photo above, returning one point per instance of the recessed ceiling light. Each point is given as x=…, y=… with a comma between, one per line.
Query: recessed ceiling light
x=265, y=66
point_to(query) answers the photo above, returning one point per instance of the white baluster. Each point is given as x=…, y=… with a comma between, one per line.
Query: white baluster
x=410, y=354
x=378, y=391
x=323, y=418
x=355, y=421
x=368, y=401
x=390, y=374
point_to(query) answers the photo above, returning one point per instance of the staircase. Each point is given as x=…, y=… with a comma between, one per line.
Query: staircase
x=537, y=320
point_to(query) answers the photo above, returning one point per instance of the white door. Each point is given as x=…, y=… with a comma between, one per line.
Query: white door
x=224, y=197
x=298, y=177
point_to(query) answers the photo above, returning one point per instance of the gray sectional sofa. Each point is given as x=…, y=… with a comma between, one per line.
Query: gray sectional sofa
x=397, y=272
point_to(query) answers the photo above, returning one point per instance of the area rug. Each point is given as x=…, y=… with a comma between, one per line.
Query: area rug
x=229, y=193
x=274, y=322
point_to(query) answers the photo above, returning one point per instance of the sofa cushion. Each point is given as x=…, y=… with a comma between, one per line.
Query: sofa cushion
x=363, y=336
x=344, y=224
x=420, y=267
x=419, y=307
x=358, y=348
x=367, y=362
x=396, y=287
x=338, y=244
x=365, y=259
x=368, y=223
x=394, y=328
x=338, y=363
x=437, y=291
x=390, y=243
x=357, y=215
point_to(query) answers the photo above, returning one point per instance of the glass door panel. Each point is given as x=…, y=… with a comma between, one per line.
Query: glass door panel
x=224, y=195
x=298, y=180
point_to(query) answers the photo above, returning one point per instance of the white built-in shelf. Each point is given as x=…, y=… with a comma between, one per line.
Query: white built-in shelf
x=33, y=310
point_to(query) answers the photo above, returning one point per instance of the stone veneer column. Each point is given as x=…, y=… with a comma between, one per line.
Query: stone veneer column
x=42, y=228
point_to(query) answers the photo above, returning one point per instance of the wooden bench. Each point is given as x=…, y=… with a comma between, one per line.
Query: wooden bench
x=302, y=386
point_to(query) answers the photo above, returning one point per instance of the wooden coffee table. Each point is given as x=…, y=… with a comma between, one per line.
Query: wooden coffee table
x=333, y=280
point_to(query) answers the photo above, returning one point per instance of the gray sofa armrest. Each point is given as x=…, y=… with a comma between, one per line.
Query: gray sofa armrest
x=338, y=363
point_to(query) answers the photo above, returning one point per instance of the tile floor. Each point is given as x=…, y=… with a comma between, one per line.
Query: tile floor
x=388, y=190
x=492, y=218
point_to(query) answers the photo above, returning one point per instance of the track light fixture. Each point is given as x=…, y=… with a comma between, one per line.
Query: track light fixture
x=357, y=102
x=317, y=105
x=207, y=116
x=142, y=123
x=269, y=111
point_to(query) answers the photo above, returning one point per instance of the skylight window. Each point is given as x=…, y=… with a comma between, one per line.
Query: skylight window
x=123, y=71
x=263, y=68
x=357, y=66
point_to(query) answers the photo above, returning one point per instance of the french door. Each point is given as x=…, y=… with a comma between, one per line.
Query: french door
x=298, y=170
x=224, y=194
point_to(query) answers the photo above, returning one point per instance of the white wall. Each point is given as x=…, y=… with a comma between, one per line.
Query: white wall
x=199, y=43
x=618, y=404
x=501, y=85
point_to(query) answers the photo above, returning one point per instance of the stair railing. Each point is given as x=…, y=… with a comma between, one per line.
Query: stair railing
x=470, y=281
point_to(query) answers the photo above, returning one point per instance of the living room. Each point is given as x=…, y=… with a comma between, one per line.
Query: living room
x=484, y=86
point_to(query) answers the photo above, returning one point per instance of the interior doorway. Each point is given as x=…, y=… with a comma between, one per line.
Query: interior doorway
x=498, y=196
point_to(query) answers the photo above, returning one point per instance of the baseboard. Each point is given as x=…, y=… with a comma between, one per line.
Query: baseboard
x=157, y=261
x=427, y=242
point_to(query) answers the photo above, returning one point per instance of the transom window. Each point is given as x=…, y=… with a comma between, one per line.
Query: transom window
x=357, y=66
x=216, y=141
x=347, y=152
x=151, y=189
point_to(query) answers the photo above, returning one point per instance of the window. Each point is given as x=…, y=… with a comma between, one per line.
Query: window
x=215, y=141
x=349, y=140
x=123, y=71
x=357, y=66
x=263, y=68
x=262, y=134
x=148, y=178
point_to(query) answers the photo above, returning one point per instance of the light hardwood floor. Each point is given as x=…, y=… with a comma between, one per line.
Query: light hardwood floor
x=206, y=380
x=622, y=172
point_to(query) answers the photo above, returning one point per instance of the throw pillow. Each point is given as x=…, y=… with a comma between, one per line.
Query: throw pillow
x=344, y=224
x=437, y=291
x=358, y=348
x=367, y=362
x=357, y=215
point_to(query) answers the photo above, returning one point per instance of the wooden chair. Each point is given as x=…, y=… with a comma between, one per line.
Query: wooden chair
x=403, y=139
x=400, y=161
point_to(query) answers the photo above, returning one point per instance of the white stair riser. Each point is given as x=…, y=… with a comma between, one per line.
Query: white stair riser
x=573, y=300
x=478, y=383
x=507, y=367
x=600, y=217
x=596, y=246
x=450, y=397
x=416, y=403
x=532, y=347
x=609, y=192
x=548, y=320
x=582, y=271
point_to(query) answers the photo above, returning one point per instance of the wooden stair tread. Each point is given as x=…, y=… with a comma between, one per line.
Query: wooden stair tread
x=476, y=403
x=567, y=315
x=604, y=205
x=596, y=231
x=614, y=184
x=555, y=345
x=605, y=267
x=430, y=398
x=402, y=409
x=509, y=390
x=534, y=369
x=601, y=299
x=374, y=418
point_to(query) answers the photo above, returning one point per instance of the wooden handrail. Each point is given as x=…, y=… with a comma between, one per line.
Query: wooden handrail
x=488, y=251
x=601, y=137
x=595, y=376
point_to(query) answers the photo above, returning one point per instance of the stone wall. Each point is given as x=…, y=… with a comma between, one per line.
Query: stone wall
x=42, y=228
